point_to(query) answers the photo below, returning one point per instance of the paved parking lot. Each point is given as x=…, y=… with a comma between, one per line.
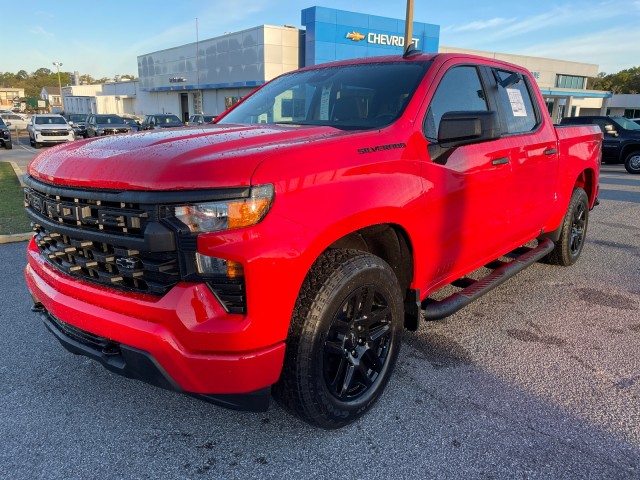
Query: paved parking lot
x=538, y=379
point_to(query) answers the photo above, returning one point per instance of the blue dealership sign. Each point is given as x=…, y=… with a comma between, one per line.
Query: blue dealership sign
x=339, y=35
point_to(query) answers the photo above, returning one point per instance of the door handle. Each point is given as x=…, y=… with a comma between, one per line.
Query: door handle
x=550, y=151
x=500, y=161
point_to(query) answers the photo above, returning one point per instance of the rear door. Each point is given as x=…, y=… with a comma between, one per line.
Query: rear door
x=529, y=143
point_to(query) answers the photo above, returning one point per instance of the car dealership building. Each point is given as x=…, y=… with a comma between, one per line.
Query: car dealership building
x=210, y=75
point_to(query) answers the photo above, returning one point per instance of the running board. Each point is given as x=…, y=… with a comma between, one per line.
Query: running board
x=474, y=289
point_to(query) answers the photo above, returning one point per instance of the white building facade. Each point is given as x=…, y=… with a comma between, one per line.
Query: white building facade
x=209, y=76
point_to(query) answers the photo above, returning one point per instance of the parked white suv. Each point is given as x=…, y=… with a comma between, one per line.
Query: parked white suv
x=48, y=129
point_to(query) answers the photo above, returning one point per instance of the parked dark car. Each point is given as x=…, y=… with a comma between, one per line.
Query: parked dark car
x=79, y=123
x=100, y=124
x=133, y=123
x=621, y=142
x=5, y=135
x=201, y=118
x=163, y=120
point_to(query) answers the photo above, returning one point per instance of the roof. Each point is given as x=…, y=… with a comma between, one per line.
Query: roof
x=52, y=90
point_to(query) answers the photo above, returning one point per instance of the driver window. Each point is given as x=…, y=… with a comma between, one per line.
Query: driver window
x=460, y=90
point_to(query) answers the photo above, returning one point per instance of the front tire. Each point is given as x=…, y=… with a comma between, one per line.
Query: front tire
x=8, y=145
x=573, y=232
x=632, y=162
x=343, y=340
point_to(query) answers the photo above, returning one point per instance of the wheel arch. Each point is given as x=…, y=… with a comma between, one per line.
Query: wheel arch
x=627, y=149
x=389, y=241
x=587, y=181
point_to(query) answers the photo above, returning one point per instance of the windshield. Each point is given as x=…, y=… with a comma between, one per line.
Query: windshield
x=50, y=121
x=167, y=119
x=626, y=123
x=349, y=97
x=77, y=117
x=110, y=119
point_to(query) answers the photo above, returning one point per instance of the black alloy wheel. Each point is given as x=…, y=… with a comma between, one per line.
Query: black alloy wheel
x=578, y=228
x=357, y=346
x=573, y=231
x=343, y=339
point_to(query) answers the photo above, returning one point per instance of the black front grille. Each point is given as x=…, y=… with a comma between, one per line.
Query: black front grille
x=107, y=264
x=54, y=133
x=112, y=217
x=126, y=240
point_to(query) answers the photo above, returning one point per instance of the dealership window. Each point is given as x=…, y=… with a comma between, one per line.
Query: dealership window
x=570, y=81
x=230, y=101
x=459, y=90
x=632, y=113
x=515, y=102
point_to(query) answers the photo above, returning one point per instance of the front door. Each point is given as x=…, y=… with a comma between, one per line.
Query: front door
x=467, y=188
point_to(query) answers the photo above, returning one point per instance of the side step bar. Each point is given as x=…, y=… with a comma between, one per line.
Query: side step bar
x=474, y=289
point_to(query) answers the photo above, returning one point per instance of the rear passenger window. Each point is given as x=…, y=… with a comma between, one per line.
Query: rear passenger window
x=459, y=90
x=515, y=103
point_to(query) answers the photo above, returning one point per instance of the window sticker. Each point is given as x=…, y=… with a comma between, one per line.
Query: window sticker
x=324, y=103
x=517, y=103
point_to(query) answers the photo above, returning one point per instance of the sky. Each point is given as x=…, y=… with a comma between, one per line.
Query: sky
x=104, y=39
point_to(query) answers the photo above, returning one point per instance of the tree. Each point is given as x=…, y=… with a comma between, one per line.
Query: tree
x=42, y=72
x=625, y=81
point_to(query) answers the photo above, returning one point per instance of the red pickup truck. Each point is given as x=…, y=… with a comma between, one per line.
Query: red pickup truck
x=284, y=249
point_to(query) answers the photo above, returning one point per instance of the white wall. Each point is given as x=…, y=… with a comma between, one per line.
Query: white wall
x=546, y=69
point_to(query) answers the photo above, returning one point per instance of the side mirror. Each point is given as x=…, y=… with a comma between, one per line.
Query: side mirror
x=464, y=128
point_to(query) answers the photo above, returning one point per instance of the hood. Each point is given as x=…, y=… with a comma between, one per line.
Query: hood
x=215, y=156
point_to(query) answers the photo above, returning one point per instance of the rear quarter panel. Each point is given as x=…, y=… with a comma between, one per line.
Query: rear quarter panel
x=580, y=152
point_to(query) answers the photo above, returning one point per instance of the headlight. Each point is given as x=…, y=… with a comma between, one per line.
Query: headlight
x=227, y=214
x=100, y=131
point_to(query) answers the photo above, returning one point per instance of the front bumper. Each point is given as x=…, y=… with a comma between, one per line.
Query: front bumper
x=162, y=340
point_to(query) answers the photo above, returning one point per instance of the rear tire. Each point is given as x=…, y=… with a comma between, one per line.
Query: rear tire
x=344, y=339
x=574, y=231
x=632, y=162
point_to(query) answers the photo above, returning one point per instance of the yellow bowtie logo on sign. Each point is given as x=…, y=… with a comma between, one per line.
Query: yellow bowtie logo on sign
x=355, y=36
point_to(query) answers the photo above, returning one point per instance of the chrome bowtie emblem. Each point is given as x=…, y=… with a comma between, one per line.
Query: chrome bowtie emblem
x=127, y=262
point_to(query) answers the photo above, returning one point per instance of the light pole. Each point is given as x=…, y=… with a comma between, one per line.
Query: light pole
x=58, y=65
